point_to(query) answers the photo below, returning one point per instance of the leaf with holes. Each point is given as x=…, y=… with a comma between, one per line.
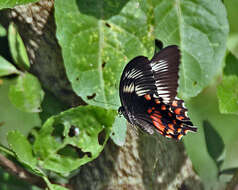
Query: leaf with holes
x=26, y=94
x=13, y=3
x=6, y=68
x=98, y=38
x=73, y=138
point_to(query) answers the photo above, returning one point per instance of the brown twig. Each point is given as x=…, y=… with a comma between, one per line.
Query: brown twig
x=20, y=172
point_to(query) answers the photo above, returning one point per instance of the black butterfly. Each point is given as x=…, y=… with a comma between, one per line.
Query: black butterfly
x=148, y=92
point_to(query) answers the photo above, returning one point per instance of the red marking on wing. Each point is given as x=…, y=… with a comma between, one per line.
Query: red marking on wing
x=180, y=117
x=147, y=97
x=149, y=111
x=157, y=101
x=159, y=125
x=171, y=126
x=177, y=111
x=163, y=107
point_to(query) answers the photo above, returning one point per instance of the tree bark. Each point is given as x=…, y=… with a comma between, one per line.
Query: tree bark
x=145, y=162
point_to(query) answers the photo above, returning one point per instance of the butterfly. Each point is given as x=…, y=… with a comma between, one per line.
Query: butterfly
x=148, y=90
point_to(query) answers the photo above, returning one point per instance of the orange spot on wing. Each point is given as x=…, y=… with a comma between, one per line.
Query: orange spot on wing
x=157, y=101
x=153, y=108
x=156, y=115
x=177, y=111
x=179, y=130
x=170, y=115
x=171, y=126
x=180, y=117
x=175, y=103
x=163, y=107
x=156, y=119
x=149, y=110
x=159, y=126
x=147, y=97
x=174, y=122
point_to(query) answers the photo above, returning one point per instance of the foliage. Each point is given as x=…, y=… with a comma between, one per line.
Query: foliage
x=97, y=39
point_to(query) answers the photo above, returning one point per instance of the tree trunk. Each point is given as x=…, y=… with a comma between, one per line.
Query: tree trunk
x=145, y=162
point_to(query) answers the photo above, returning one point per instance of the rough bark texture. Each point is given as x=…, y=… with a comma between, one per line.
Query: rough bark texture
x=145, y=162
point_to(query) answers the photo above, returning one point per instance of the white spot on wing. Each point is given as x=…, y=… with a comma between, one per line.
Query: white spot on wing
x=129, y=88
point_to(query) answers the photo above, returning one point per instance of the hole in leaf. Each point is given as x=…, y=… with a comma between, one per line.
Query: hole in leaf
x=58, y=132
x=113, y=134
x=68, y=151
x=158, y=44
x=108, y=25
x=102, y=137
x=195, y=83
x=73, y=131
x=32, y=133
x=92, y=96
x=77, y=78
x=103, y=64
x=82, y=154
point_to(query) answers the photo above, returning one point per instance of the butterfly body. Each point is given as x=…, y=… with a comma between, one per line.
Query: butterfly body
x=148, y=90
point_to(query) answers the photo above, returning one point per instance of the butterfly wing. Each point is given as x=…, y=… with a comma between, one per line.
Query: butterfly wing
x=152, y=85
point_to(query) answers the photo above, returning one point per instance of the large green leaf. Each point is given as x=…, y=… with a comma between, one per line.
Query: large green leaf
x=200, y=28
x=26, y=94
x=6, y=68
x=98, y=40
x=73, y=138
x=13, y=3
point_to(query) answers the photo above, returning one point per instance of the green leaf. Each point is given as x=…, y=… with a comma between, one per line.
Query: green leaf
x=6, y=68
x=231, y=67
x=232, y=13
x=73, y=138
x=3, y=31
x=200, y=28
x=26, y=94
x=13, y=3
x=102, y=38
x=17, y=48
x=227, y=93
x=118, y=134
x=205, y=107
x=214, y=143
x=22, y=148
x=11, y=118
